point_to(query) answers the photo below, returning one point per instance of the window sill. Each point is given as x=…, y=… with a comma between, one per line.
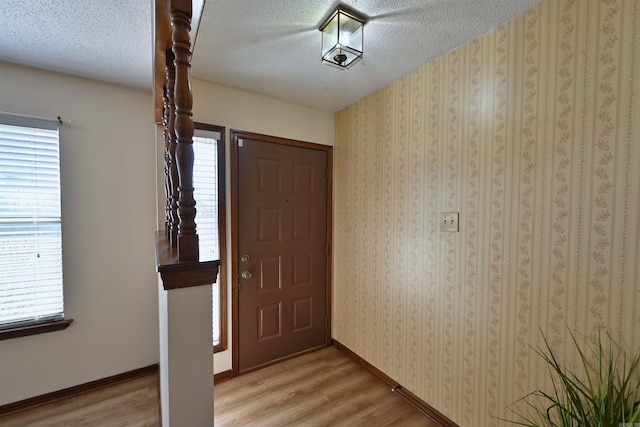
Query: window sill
x=34, y=329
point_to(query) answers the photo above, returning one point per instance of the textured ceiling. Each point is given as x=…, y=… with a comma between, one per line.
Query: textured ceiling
x=103, y=39
x=271, y=47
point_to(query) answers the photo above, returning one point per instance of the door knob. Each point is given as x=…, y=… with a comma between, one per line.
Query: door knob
x=245, y=258
x=246, y=274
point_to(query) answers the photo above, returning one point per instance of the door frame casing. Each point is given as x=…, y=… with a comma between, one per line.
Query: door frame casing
x=233, y=155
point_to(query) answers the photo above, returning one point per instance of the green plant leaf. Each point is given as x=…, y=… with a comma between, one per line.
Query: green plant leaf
x=602, y=391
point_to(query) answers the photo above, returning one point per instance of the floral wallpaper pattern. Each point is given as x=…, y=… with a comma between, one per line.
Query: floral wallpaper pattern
x=532, y=134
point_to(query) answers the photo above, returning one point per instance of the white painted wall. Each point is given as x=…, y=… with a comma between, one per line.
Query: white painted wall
x=240, y=110
x=108, y=219
x=237, y=109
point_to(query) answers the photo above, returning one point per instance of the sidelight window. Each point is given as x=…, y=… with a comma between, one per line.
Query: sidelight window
x=208, y=183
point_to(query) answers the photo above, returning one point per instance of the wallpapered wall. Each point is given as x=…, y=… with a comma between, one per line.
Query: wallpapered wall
x=532, y=133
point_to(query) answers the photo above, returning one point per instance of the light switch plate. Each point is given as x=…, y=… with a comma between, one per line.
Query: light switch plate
x=449, y=222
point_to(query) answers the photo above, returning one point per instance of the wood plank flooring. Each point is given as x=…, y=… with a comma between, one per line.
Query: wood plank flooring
x=323, y=388
x=133, y=403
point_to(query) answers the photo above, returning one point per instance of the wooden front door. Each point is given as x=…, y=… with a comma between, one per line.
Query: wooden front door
x=282, y=250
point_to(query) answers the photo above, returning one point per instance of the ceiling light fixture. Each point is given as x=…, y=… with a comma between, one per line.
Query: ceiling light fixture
x=342, y=38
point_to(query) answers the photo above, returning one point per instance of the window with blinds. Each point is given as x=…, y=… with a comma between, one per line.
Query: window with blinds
x=205, y=184
x=30, y=222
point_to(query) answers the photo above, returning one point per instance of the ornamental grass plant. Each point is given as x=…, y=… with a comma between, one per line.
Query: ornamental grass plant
x=602, y=392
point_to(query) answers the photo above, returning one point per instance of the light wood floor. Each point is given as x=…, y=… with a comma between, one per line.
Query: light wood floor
x=133, y=403
x=323, y=388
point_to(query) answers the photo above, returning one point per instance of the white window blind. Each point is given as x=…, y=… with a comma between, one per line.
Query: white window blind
x=30, y=226
x=205, y=184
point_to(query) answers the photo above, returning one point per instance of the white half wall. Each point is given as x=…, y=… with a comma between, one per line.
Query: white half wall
x=186, y=381
x=108, y=223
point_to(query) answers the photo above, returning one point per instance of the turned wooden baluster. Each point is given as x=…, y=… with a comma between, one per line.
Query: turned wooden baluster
x=172, y=198
x=181, y=47
x=167, y=182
